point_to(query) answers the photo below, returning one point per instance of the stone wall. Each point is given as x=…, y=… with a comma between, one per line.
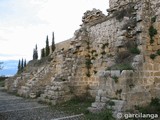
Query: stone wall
x=108, y=57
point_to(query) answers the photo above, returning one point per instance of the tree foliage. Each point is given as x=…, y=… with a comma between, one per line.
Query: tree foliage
x=35, y=53
x=43, y=53
x=47, y=46
x=25, y=64
x=53, y=43
x=21, y=65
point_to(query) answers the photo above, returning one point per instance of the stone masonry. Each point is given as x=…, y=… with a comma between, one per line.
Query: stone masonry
x=114, y=58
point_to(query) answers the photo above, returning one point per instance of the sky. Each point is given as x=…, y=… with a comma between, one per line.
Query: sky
x=25, y=23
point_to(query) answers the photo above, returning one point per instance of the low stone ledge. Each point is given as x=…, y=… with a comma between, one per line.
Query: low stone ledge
x=74, y=117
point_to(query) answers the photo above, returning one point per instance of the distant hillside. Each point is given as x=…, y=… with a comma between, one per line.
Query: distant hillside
x=9, y=68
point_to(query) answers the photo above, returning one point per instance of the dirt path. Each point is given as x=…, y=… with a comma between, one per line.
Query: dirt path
x=18, y=108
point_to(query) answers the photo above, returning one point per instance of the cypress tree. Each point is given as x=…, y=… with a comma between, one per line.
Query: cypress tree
x=19, y=66
x=42, y=53
x=22, y=65
x=53, y=43
x=25, y=64
x=35, y=53
x=47, y=46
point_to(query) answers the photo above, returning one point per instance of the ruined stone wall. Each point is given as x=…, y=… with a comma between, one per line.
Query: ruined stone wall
x=109, y=57
x=137, y=86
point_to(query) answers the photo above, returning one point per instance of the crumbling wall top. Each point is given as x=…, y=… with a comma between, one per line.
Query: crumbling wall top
x=92, y=16
x=117, y=3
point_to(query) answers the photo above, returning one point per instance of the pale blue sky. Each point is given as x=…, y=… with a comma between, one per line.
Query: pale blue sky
x=25, y=23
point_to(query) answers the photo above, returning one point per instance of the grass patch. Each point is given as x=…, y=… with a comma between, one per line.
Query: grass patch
x=79, y=104
x=2, y=81
x=104, y=115
x=121, y=67
x=152, y=108
x=74, y=106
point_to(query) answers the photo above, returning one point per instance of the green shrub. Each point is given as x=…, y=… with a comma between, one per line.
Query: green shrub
x=135, y=50
x=111, y=103
x=152, y=33
x=153, y=56
x=88, y=63
x=121, y=67
x=155, y=102
x=152, y=108
x=158, y=52
x=153, y=19
x=115, y=78
x=151, y=40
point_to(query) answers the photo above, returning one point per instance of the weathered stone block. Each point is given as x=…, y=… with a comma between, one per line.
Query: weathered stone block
x=98, y=105
x=98, y=98
x=157, y=80
x=121, y=33
x=120, y=41
x=103, y=73
x=157, y=74
x=53, y=102
x=101, y=93
x=138, y=58
x=127, y=73
x=116, y=73
x=138, y=18
x=119, y=104
x=32, y=95
x=104, y=99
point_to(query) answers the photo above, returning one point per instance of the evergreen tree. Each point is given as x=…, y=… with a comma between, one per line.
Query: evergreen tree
x=22, y=65
x=47, y=46
x=19, y=66
x=53, y=43
x=35, y=53
x=42, y=53
x=25, y=64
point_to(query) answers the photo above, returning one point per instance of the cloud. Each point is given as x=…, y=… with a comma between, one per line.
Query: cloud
x=25, y=23
x=3, y=39
x=19, y=12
